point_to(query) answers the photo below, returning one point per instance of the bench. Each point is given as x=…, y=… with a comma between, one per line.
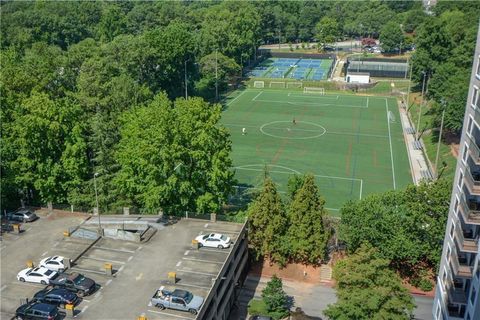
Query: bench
x=417, y=145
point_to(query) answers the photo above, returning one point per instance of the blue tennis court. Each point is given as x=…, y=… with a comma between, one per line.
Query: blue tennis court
x=300, y=69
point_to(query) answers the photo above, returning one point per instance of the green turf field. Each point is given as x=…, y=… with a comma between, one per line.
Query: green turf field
x=352, y=144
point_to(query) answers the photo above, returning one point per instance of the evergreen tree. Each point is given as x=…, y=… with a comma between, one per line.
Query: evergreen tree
x=307, y=236
x=368, y=289
x=275, y=298
x=268, y=223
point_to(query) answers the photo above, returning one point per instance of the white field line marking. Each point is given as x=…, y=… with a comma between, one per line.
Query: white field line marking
x=108, y=282
x=315, y=104
x=258, y=95
x=316, y=175
x=3, y=288
x=230, y=102
x=316, y=97
x=104, y=260
x=361, y=189
x=333, y=209
x=367, y=102
x=358, y=134
x=179, y=263
x=197, y=272
x=44, y=253
x=169, y=314
x=186, y=253
x=390, y=139
x=201, y=260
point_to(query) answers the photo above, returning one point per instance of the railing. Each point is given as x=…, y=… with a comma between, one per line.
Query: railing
x=456, y=295
x=465, y=244
x=470, y=216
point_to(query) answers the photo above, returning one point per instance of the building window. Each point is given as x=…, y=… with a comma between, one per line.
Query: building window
x=468, y=317
x=478, y=67
x=449, y=252
x=455, y=206
x=469, y=126
x=465, y=152
x=473, y=296
x=460, y=180
x=475, y=98
x=444, y=280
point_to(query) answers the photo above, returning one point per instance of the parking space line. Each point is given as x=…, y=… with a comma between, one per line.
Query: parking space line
x=44, y=253
x=97, y=294
x=139, y=248
x=215, y=250
x=201, y=260
x=222, y=231
x=105, y=260
x=206, y=225
x=115, y=250
x=169, y=314
x=192, y=285
x=3, y=288
x=179, y=263
x=108, y=282
x=197, y=272
x=121, y=268
x=35, y=285
x=88, y=270
x=186, y=253
x=84, y=309
x=130, y=258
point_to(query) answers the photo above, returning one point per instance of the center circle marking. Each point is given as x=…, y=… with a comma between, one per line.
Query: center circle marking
x=316, y=135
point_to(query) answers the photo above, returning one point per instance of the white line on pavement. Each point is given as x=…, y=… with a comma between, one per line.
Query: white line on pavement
x=200, y=260
x=3, y=288
x=179, y=263
x=169, y=314
x=105, y=260
x=108, y=282
x=197, y=272
x=130, y=258
x=186, y=253
x=44, y=253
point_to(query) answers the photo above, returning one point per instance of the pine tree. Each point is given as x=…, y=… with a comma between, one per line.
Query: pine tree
x=307, y=236
x=268, y=223
x=274, y=297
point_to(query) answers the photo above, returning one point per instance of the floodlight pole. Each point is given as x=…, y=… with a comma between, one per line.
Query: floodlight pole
x=409, y=83
x=96, y=200
x=216, y=75
x=439, y=138
x=420, y=109
x=186, y=83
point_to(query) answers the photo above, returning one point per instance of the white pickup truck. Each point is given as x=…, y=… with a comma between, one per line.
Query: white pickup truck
x=178, y=299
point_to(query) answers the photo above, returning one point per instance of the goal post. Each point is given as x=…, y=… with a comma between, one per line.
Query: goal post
x=259, y=84
x=294, y=84
x=277, y=84
x=320, y=91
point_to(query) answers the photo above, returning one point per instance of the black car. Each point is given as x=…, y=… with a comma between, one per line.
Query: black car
x=56, y=296
x=74, y=282
x=36, y=311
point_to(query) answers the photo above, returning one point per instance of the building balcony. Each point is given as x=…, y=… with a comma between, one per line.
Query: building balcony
x=460, y=267
x=465, y=239
x=456, y=311
x=457, y=295
x=472, y=181
x=474, y=149
x=470, y=211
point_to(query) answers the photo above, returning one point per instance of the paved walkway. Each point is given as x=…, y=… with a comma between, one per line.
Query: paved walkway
x=418, y=162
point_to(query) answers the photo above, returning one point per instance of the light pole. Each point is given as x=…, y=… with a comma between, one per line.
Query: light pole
x=96, y=200
x=420, y=109
x=444, y=104
x=186, y=84
x=216, y=75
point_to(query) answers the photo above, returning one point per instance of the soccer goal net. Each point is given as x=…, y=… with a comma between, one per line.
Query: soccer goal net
x=294, y=84
x=259, y=84
x=320, y=91
x=277, y=84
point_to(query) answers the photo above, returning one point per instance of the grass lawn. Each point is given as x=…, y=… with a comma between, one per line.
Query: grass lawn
x=353, y=145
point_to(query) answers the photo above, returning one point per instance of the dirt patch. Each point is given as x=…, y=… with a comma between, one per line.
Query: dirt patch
x=293, y=272
x=453, y=141
x=417, y=291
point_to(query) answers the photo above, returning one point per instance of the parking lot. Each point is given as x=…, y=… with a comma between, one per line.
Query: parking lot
x=139, y=268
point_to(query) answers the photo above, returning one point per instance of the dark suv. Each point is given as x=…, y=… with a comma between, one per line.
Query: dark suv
x=37, y=311
x=74, y=282
x=57, y=296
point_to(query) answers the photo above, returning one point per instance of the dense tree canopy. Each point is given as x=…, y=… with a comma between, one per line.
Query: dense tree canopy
x=368, y=289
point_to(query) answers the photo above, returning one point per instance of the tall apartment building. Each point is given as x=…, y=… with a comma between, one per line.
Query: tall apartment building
x=458, y=283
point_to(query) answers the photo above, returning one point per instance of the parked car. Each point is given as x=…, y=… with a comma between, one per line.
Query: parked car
x=214, y=240
x=22, y=215
x=178, y=299
x=39, y=275
x=75, y=282
x=54, y=263
x=37, y=310
x=56, y=296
